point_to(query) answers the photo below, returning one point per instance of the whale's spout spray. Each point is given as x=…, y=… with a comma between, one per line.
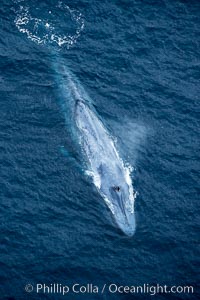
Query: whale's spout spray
x=110, y=175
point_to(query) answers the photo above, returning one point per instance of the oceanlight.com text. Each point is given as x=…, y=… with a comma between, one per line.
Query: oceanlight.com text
x=89, y=288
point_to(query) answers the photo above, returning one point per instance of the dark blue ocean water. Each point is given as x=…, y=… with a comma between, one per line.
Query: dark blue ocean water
x=139, y=62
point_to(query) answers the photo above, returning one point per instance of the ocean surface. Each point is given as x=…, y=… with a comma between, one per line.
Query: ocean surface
x=139, y=63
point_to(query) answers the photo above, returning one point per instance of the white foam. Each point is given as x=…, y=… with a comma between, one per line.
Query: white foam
x=109, y=203
x=96, y=178
x=45, y=31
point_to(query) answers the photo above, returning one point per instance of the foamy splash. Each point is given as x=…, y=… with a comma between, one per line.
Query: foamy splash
x=133, y=194
x=45, y=26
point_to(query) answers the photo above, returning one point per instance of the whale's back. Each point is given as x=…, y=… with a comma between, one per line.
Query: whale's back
x=96, y=140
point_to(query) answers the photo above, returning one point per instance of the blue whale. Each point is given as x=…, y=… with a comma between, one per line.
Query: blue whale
x=110, y=176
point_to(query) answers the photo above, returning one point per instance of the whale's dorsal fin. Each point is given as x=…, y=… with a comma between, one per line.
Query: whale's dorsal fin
x=101, y=168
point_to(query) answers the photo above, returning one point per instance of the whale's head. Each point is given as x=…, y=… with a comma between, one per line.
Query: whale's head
x=118, y=193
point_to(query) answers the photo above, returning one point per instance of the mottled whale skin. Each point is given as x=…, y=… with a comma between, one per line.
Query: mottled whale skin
x=104, y=163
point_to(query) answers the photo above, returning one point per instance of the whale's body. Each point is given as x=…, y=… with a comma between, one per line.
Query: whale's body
x=110, y=176
x=103, y=161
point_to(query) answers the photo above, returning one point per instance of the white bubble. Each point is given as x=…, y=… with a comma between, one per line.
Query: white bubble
x=46, y=30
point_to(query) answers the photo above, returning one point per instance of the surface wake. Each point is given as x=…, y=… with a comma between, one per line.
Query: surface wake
x=48, y=29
